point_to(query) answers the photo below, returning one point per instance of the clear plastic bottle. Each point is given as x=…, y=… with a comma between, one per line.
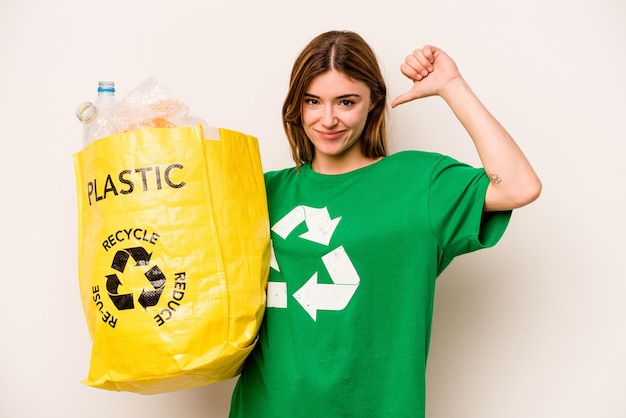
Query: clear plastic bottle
x=94, y=116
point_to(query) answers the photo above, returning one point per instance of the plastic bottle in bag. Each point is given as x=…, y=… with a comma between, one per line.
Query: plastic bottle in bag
x=94, y=116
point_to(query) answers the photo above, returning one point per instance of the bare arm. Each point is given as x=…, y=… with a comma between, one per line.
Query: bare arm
x=513, y=180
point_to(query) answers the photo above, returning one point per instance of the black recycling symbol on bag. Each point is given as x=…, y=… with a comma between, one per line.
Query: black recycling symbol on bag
x=154, y=275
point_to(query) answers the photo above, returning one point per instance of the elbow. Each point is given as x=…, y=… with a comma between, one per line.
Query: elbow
x=502, y=199
x=538, y=186
x=528, y=194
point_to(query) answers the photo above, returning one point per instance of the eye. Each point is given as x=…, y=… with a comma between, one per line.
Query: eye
x=311, y=101
x=346, y=102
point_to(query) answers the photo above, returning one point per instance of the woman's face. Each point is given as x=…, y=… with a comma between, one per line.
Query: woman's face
x=334, y=113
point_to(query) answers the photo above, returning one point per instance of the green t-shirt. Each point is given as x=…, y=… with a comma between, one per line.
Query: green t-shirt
x=350, y=299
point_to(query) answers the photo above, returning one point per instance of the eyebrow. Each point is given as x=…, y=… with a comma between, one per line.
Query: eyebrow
x=343, y=96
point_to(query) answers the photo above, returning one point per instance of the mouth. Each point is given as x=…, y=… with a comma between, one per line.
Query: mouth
x=329, y=135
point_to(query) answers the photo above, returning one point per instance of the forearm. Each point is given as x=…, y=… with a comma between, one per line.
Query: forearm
x=513, y=180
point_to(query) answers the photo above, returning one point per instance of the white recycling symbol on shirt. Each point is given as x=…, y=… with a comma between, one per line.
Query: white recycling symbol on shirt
x=314, y=296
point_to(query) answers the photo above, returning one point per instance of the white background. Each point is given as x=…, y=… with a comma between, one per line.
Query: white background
x=535, y=327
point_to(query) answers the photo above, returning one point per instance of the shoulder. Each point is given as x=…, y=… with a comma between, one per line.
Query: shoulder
x=432, y=160
x=416, y=156
x=413, y=160
x=279, y=176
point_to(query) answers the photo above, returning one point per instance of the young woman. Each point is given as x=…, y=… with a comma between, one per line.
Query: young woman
x=359, y=237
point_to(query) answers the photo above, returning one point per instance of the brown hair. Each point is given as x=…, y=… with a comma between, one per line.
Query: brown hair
x=348, y=53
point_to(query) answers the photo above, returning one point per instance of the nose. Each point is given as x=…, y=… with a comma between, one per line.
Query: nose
x=328, y=117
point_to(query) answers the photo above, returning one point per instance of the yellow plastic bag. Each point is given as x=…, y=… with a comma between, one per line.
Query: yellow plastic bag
x=173, y=256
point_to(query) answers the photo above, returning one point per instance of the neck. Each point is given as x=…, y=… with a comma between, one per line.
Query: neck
x=341, y=165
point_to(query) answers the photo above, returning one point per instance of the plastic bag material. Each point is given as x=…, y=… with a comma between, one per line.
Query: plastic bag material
x=173, y=256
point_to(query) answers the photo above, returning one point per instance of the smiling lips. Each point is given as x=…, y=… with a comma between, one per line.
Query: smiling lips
x=329, y=135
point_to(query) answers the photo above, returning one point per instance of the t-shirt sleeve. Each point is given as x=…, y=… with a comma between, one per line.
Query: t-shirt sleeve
x=456, y=200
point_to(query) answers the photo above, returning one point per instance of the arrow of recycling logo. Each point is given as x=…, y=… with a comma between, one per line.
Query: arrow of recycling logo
x=314, y=296
x=154, y=275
